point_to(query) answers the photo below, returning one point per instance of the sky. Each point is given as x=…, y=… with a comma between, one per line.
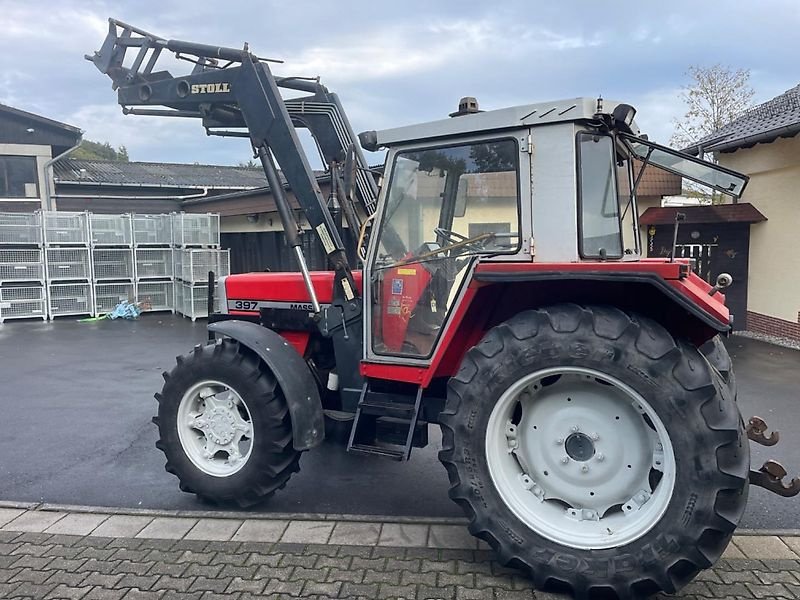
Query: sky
x=399, y=63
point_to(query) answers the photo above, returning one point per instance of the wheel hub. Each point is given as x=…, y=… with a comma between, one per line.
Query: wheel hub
x=579, y=446
x=221, y=425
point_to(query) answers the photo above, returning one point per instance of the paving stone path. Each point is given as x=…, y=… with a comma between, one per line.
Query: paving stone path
x=83, y=554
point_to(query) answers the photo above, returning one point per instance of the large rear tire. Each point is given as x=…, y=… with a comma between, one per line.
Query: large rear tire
x=224, y=426
x=592, y=450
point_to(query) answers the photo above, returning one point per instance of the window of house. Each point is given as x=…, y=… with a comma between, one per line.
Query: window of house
x=18, y=177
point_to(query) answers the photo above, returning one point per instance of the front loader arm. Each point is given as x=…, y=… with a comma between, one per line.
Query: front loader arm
x=234, y=93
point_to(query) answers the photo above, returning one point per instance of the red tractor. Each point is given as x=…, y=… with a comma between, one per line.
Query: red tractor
x=588, y=408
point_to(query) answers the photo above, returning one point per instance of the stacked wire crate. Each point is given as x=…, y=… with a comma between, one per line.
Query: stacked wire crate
x=22, y=273
x=113, y=271
x=68, y=263
x=196, y=238
x=152, y=237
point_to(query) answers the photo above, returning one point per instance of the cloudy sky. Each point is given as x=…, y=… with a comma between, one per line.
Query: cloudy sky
x=397, y=63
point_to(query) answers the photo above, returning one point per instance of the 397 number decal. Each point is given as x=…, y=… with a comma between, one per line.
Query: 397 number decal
x=245, y=304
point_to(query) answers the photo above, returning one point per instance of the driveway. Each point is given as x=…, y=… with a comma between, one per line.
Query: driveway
x=77, y=399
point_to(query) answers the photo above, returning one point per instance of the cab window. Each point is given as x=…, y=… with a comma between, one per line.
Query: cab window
x=444, y=206
x=600, y=228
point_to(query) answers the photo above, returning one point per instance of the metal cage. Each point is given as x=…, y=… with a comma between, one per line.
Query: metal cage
x=196, y=263
x=111, y=230
x=70, y=299
x=21, y=228
x=152, y=230
x=67, y=263
x=155, y=296
x=21, y=265
x=23, y=302
x=108, y=295
x=152, y=263
x=112, y=263
x=66, y=228
x=190, y=229
x=194, y=300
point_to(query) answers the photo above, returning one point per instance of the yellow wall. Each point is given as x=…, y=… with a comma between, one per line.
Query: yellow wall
x=774, y=189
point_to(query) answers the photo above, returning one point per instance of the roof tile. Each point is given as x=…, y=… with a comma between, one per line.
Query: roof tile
x=763, y=123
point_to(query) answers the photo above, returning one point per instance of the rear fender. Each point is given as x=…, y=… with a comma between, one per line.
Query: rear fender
x=292, y=373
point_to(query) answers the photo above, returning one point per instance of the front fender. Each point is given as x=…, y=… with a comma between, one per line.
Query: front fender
x=292, y=373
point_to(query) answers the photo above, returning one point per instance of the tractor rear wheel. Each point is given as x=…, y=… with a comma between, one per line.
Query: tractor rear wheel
x=591, y=449
x=224, y=426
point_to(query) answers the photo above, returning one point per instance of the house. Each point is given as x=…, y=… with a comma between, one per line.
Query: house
x=764, y=143
x=29, y=144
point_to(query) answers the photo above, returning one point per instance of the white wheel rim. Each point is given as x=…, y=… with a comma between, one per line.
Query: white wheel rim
x=572, y=455
x=215, y=428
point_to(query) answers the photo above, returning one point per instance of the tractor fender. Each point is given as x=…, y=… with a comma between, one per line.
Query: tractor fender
x=292, y=373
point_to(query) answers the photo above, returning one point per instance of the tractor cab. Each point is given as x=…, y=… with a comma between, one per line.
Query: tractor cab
x=544, y=183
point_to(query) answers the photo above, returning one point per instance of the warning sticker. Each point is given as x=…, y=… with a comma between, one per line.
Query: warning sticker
x=348, y=290
x=397, y=286
x=406, y=271
x=325, y=238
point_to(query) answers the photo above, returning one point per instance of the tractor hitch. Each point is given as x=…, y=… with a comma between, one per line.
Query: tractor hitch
x=770, y=477
x=757, y=432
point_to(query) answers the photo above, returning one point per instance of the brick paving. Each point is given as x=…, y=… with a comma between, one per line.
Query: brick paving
x=92, y=555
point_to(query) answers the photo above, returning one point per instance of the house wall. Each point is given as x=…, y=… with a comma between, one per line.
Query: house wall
x=42, y=154
x=774, y=286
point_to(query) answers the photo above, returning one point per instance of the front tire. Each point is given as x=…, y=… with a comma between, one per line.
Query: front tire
x=642, y=488
x=224, y=426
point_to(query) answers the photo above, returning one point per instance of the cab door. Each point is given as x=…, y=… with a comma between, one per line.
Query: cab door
x=446, y=206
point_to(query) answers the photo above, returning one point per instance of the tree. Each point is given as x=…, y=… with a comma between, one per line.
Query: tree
x=250, y=164
x=90, y=150
x=714, y=97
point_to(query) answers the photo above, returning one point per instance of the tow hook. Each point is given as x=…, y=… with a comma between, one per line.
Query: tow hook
x=757, y=429
x=770, y=475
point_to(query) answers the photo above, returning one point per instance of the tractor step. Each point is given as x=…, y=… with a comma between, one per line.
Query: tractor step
x=387, y=409
x=377, y=451
x=384, y=418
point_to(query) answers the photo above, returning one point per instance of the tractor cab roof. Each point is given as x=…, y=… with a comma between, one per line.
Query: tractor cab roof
x=530, y=115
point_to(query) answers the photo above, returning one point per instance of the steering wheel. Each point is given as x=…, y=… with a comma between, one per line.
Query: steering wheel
x=450, y=236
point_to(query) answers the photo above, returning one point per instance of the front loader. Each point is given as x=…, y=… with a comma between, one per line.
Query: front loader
x=588, y=407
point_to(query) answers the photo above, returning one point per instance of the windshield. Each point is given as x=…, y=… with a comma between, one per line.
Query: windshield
x=444, y=205
x=698, y=170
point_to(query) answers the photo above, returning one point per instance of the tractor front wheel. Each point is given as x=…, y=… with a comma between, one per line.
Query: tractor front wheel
x=224, y=426
x=591, y=449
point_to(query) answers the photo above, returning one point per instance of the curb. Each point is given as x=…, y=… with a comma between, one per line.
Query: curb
x=303, y=529
x=237, y=515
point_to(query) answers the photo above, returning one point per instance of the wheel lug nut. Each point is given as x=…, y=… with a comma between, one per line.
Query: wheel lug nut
x=584, y=469
x=560, y=441
x=565, y=460
x=575, y=429
x=595, y=437
x=601, y=457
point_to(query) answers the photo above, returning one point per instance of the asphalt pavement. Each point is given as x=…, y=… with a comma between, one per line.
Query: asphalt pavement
x=77, y=399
